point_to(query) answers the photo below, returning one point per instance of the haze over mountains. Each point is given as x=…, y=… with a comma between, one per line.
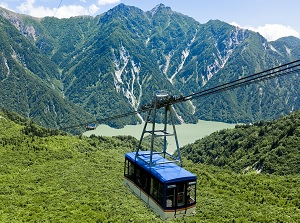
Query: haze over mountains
x=61, y=72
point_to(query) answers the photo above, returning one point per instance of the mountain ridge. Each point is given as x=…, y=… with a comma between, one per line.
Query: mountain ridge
x=112, y=63
x=264, y=147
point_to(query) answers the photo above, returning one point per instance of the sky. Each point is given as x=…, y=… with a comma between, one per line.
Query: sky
x=271, y=18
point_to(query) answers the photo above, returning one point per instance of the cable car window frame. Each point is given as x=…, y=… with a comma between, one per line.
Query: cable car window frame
x=126, y=168
x=144, y=180
x=179, y=195
x=129, y=170
x=156, y=190
x=170, y=197
x=191, y=193
x=159, y=192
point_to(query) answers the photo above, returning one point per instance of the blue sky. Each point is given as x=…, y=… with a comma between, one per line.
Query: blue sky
x=271, y=18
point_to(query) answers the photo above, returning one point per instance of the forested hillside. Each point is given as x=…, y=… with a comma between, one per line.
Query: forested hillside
x=50, y=176
x=61, y=72
x=30, y=82
x=267, y=147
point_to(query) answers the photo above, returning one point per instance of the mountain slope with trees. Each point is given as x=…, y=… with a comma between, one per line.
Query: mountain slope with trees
x=112, y=63
x=267, y=147
x=51, y=176
x=30, y=82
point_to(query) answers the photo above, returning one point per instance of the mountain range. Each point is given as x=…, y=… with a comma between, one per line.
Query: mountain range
x=64, y=72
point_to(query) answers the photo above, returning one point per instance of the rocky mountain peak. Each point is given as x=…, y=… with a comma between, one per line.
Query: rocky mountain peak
x=161, y=8
x=121, y=11
x=114, y=64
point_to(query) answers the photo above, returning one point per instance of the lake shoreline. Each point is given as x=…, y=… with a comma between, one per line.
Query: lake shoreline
x=186, y=133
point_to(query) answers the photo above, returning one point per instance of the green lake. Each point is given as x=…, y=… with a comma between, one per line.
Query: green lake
x=186, y=133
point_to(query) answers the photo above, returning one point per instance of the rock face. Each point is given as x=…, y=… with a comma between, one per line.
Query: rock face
x=111, y=64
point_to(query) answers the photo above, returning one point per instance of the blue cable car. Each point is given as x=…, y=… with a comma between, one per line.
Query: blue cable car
x=158, y=178
x=91, y=126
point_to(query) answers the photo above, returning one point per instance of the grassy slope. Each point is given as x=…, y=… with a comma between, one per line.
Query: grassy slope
x=268, y=147
x=73, y=179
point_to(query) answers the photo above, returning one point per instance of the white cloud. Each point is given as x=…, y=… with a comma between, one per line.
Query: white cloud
x=93, y=9
x=272, y=31
x=4, y=5
x=29, y=8
x=65, y=11
x=107, y=2
x=275, y=31
x=235, y=24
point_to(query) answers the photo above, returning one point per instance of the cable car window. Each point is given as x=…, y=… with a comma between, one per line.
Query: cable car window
x=156, y=190
x=126, y=168
x=170, y=201
x=180, y=194
x=144, y=181
x=160, y=194
x=138, y=176
x=191, y=193
x=131, y=171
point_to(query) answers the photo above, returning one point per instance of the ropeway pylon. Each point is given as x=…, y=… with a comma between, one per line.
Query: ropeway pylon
x=161, y=99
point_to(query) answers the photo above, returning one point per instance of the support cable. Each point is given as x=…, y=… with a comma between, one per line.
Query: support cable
x=282, y=70
x=58, y=7
x=246, y=81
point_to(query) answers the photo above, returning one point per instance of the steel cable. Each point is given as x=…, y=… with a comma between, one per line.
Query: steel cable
x=278, y=71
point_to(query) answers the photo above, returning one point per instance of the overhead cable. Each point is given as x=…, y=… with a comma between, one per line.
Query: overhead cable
x=285, y=69
x=58, y=7
x=282, y=70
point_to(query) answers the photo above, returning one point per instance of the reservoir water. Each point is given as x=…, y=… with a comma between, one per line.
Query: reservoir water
x=186, y=133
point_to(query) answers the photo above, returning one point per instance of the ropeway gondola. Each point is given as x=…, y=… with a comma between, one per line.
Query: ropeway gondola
x=91, y=126
x=158, y=178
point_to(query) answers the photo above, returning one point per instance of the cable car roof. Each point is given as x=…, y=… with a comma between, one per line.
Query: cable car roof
x=166, y=173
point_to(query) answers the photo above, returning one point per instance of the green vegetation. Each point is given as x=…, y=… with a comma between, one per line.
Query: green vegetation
x=30, y=82
x=50, y=176
x=270, y=147
x=63, y=72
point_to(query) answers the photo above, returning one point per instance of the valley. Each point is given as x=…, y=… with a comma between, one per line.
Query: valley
x=84, y=68
x=52, y=176
x=56, y=75
x=186, y=133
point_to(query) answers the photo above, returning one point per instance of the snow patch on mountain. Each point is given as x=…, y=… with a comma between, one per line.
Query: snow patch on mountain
x=120, y=65
x=193, y=106
x=273, y=48
x=168, y=59
x=147, y=41
x=136, y=100
x=127, y=77
x=288, y=50
x=204, y=81
x=224, y=50
x=184, y=55
x=178, y=117
x=6, y=66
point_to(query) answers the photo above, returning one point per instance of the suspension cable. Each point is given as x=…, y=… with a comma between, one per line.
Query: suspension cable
x=264, y=75
x=58, y=8
x=282, y=70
